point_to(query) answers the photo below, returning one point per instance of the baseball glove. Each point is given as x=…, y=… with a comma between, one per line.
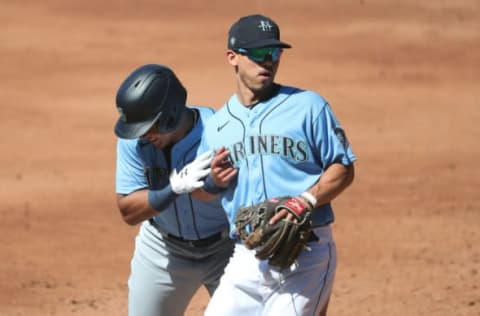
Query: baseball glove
x=281, y=242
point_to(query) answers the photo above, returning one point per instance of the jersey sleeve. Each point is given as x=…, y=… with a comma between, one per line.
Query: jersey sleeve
x=205, y=145
x=331, y=139
x=206, y=113
x=129, y=169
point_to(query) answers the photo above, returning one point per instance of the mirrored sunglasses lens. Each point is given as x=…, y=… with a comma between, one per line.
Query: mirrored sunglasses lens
x=260, y=54
x=276, y=52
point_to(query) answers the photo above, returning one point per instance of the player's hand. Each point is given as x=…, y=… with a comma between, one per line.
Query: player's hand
x=191, y=176
x=222, y=171
x=283, y=213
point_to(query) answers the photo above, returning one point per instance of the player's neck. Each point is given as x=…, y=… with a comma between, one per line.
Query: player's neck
x=250, y=98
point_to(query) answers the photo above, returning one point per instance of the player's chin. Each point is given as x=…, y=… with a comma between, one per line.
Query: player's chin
x=263, y=82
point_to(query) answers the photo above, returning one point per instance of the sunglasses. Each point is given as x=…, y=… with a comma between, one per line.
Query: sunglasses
x=260, y=54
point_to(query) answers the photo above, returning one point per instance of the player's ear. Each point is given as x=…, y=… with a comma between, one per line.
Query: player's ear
x=232, y=57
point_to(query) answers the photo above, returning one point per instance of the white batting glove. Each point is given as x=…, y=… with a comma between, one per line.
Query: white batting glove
x=190, y=177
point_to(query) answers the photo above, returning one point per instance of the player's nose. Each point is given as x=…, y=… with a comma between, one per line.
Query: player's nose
x=267, y=63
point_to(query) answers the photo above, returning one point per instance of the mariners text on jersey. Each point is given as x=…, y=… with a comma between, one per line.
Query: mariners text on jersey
x=268, y=145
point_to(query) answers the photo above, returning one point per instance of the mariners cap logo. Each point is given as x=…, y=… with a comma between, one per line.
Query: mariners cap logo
x=265, y=26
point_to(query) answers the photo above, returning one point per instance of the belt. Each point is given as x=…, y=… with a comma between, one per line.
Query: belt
x=198, y=243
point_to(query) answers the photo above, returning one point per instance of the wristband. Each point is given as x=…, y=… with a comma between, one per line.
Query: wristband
x=210, y=186
x=310, y=198
x=159, y=199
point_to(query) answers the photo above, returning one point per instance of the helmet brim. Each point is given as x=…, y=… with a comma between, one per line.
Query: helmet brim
x=134, y=130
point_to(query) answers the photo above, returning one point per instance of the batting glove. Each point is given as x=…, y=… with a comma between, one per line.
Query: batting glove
x=191, y=176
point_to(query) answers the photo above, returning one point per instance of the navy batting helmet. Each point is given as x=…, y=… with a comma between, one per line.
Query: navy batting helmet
x=152, y=94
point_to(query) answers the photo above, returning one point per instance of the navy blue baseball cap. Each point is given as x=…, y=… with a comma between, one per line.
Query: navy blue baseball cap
x=255, y=31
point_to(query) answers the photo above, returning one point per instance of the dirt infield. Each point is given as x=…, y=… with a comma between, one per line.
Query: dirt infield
x=402, y=76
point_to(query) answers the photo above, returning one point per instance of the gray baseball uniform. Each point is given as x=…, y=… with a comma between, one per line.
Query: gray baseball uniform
x=186, y=244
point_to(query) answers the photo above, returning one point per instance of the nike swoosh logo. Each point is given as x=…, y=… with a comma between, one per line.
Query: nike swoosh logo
x=220, y=127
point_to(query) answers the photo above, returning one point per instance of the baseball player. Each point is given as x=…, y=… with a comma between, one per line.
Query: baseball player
x=273, y=140
x=182, y=242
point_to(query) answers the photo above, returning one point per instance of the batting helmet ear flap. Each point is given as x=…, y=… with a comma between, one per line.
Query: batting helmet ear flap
x=174, y=106
x=150, y=94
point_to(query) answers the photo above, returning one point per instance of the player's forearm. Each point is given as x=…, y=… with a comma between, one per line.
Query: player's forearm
x=135, y=208
x=334, y=180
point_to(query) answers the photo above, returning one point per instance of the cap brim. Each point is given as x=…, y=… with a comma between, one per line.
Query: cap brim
x=267, y=43
x=133, y=130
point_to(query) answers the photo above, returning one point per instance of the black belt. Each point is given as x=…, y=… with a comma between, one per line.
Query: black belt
x=198, y=243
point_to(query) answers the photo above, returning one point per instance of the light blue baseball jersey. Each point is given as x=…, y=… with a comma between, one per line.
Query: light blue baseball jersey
x=141, y=165
x=280, y=146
